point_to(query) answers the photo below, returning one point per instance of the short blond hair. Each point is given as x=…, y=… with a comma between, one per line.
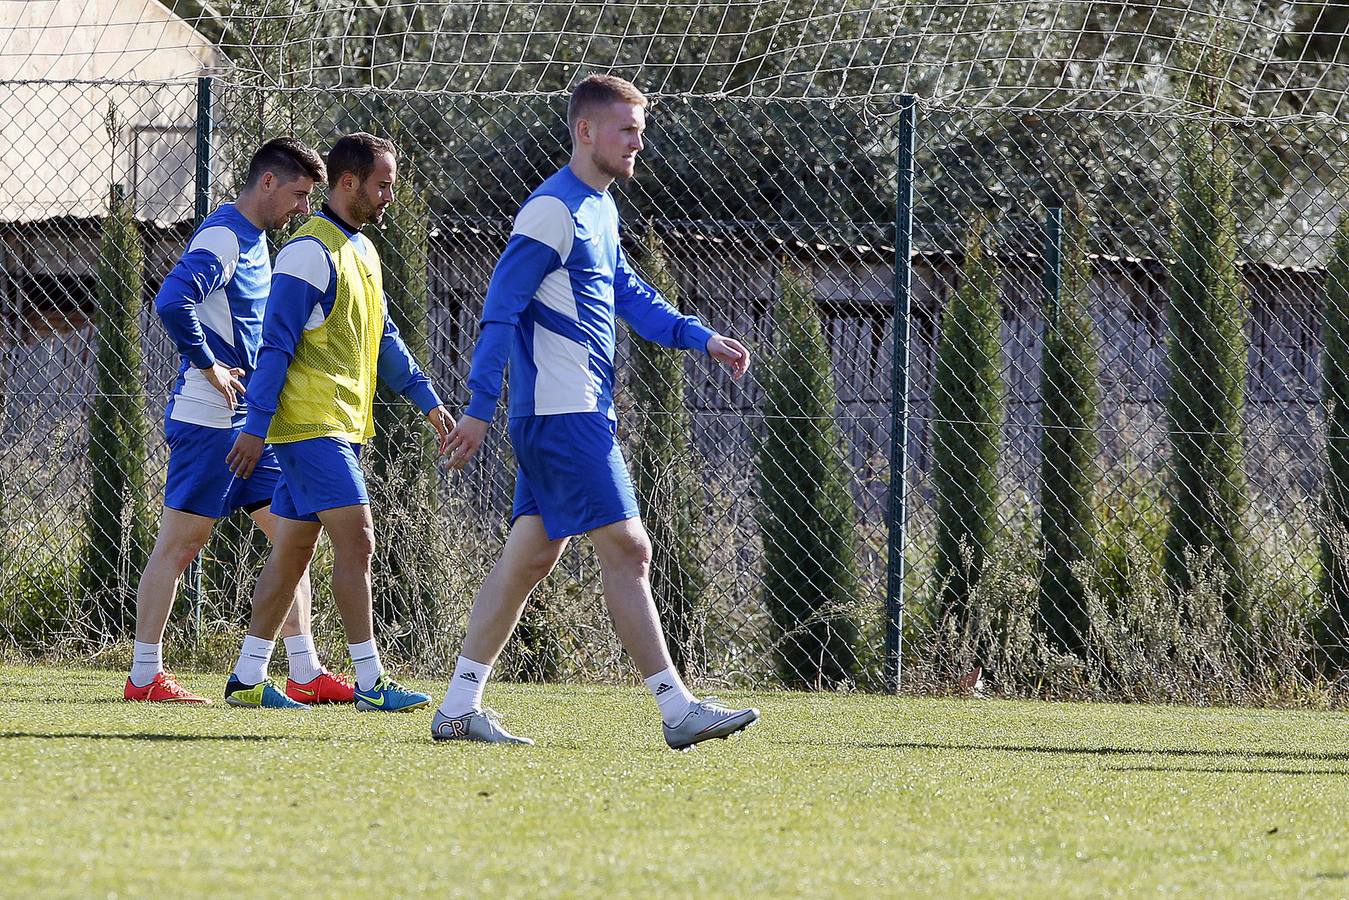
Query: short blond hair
x=600, y=90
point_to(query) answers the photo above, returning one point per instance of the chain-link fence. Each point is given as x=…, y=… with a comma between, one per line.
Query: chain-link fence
x=1121, y=349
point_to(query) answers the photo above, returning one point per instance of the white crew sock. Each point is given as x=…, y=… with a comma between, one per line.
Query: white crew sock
x=303, y=658
x=366, y=660
x=253, y=658
x=671, y=696
x=464, y=694
x=147, y=661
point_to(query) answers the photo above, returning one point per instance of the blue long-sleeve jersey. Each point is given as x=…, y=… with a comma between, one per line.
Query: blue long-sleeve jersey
x=303, y=291
x=551, y=305
x=212, y=304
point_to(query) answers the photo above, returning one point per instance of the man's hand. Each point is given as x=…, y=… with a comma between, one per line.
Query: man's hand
x=730, y=353
x=443, y=423
x=244, y=455
x=226, y=381
x=465, y=440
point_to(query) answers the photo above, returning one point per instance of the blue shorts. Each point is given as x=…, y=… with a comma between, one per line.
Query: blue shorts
x=571, y=473
x=318, y=474
x=200, y=483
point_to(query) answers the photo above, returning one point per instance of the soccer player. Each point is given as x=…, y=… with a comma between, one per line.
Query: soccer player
x=212, y=305
x=550, y=308
x=325, y=337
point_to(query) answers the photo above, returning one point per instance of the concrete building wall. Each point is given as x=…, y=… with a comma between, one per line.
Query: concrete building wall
x=63, y=144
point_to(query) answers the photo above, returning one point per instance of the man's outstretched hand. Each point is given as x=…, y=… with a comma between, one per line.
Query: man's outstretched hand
x=443, y=423
x=730, y=353
x=465, y=440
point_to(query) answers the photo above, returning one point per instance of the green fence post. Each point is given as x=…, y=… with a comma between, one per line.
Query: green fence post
x=205, y=129
x=899, y=395
x=1052, y=276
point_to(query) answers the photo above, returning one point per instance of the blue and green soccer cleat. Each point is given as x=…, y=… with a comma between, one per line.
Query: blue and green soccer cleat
x=389, y=696
x=263, y=695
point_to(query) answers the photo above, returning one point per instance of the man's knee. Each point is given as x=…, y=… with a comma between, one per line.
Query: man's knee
x=355, y=543
x=631, y=550
x=537, y=565
x=293, y=548
x=177, y=550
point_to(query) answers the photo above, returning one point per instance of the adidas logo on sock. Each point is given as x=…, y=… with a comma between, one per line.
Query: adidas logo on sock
x=469, y=676
x=663, y=688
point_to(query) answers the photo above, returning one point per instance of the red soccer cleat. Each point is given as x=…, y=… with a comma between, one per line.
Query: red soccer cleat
x=325, y=688
x=164, y=689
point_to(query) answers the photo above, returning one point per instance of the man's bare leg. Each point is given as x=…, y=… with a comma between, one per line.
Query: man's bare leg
x=527, y=559
x=181, y=537
x=297, y=630
x=624, y=551
x=293, y=545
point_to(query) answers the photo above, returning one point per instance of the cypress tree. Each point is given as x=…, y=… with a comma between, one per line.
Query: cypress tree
x=1069, y=411
x=668, y=484
x=1207, y=358
x=118, y=517
x=967, y=409
x=1333, y=626
x=806, y=507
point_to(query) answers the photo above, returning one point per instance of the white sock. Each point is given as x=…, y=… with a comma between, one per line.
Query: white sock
x=671, y=696
x=465, y=691
x=147, y=661
x=253, y=658
x=303, y=658
x=366, y=660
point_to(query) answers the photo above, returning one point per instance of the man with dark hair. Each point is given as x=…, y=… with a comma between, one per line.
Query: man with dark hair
x=358, y=153
x=212, y=305
x=550, y=309
x=287, y=159
x=325, y=338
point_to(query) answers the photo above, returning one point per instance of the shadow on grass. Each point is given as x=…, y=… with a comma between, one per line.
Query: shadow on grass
x=115, y=736
x=1292, y=755
x=1214, y=770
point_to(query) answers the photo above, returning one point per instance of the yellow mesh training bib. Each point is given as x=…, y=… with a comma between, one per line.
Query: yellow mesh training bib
x=330, y=385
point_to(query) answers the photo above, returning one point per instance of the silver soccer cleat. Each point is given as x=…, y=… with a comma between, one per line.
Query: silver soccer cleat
x=708, y=719
x=482, y=725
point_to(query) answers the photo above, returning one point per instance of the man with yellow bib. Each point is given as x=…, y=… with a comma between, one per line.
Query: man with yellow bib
x=326, y=337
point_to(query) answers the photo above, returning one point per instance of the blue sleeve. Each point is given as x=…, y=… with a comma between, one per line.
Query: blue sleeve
x=291, y=302
x=400, y=371
x=642, y=307
x=523, y=265
x=197, y=274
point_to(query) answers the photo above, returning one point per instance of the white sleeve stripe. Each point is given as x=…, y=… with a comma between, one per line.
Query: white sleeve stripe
x=306, y=259
x=221, y=243
x=547, y=220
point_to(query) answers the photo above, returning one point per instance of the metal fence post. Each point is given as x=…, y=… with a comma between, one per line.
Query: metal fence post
x=899, y=395
x=201, y=207
x=1052, y=276
x=205, y=129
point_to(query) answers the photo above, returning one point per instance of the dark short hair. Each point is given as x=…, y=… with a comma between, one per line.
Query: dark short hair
x=600, y=90
x=287, y=159
x=355, y=153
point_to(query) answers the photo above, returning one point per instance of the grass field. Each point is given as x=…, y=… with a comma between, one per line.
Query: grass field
x=830, y=795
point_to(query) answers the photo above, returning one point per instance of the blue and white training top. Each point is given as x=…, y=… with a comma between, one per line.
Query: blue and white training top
x=551, y=304
x=303, y=291
x=212, y=305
